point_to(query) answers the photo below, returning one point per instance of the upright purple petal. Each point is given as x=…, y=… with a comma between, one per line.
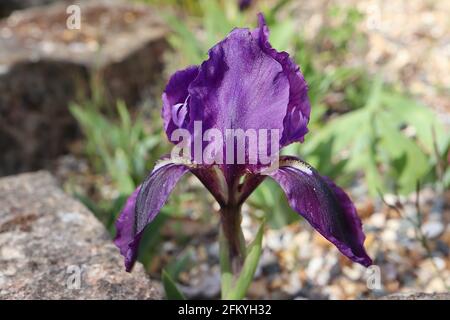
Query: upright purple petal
x=175, y=99
x=326, y=207
x=239, y=87
x=245, y=84
x=143, y=206
x=298, y=111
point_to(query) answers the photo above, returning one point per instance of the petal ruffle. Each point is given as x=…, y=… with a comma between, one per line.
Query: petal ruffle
x=143, y=206
x=245, y=84
x=175, y=99
x=239, y=87
x=298, y=111
x=326, y=207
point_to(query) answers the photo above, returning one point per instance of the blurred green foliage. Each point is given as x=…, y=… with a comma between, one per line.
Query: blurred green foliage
x=189, y=6
x=390, y=139
x=118, y=145
x=216, y=19
x=372, y=129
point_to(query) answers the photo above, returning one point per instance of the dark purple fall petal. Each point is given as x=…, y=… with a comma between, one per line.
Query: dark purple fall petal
x=125, y=230
x=326, y=207
x=143, y=206
x=213, y=180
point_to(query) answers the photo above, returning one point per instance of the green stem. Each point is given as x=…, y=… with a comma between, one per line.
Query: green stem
x=231, y=218
x=226, y=278
x=232, y=246
x=238, y=262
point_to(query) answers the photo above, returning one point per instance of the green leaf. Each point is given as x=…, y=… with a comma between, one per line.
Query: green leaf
x=271, y=200
x=342, y=130
x=281, y=34
x=172, y=292
x=446, y=178
x=248, y=270
x=226, y=277
x=124, y=115
x=185, y=40
x=270, y=14
x=414, y=162
x=151, y=238
x=373, y=178
x=120, y=171
x=375, y=95
x=216, y=23
x=407, y=111
x=179, y=264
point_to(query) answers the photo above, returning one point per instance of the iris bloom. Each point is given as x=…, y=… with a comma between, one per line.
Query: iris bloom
x=245, y=84
x=244, y=4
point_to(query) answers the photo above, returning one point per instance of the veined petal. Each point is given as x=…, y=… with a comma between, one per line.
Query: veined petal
x=239, y=87
x=143, y=206
x=175, y=99
x=213, y=180
x=298, y=111
x=326, y=207
x=245, y=84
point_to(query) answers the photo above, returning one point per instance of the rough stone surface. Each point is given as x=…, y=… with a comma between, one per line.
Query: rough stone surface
x=8, y=6
x=44, y=66
x=48, y=238
x=418, y=296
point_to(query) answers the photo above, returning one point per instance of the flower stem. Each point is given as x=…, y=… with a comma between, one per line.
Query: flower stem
x=238, y=262
x=232, y=247
x=231, y=218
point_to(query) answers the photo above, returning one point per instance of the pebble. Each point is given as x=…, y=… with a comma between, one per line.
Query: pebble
x=269, y=263
x=314, y=267
x=433, y=229
x=389, y=235
x=378, y=220
x=355, y=272
x=9, y=253
x=389, y=272
x=439, y=262
x=293, y=285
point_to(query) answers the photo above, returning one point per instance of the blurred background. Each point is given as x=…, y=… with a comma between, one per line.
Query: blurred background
x=85, y=104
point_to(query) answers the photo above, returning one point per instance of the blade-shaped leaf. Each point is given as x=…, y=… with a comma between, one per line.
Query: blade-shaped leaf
x=226, y=277
x=248, y=270
x=172, y=292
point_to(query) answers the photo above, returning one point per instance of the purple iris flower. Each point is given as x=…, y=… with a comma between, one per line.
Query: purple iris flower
x=244, y=4
x=245, y=84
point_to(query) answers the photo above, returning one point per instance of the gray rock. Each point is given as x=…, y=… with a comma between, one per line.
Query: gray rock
x=44, y=66
x=52, y=247
x=8, y=6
